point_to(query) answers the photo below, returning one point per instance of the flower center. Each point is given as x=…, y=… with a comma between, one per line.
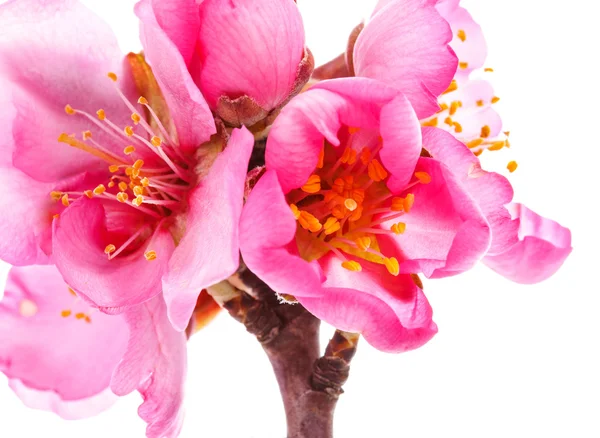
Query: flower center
x=346, y=204
x=156, y=190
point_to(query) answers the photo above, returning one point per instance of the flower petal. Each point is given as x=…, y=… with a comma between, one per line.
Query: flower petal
x=392, y=313
x=267, y=227
x=263, y=64
x=189, y=111
x=209, y=251
x=542, y=247
x=80, y=237
x=155, y=363
x=54, y=362
x=406, y=45
x=65, y=65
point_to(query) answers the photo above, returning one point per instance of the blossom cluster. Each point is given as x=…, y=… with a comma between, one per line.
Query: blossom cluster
x=139, y=198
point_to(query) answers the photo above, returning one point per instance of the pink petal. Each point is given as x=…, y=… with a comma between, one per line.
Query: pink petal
x=188, y=109
x=155, y=363
x=80, y=237
x=406, y=45
x=446, y=232
x=267, y=231
x=473, y=50
x=297, y=135
x=392, y=313
x=209, y=250
x=180, y=21
x=249, y=47
x=63, y=364
x=66, y=64
x=542, y=247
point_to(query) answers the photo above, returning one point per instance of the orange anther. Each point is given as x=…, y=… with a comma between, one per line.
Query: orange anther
x=495, y=99
x=454, y=106
x=488, y=69
x=138, y=190
x=331, y=225
x=475, y=143
x=99, y=189
x=338, y=185
x=497, y=145
x=101, y=114
x=356, y=214
x=55, y=196
x=156, y=141
x=112, y=76
x=129, y=150
x=351, y=265
x=364, y=243
x=365, y=155
x=321, y=158
x=463, y=65
x=353, y=130
x=150, y=255
x=397, y=204
x=398, y=228
x=69, y=110
x=309, y=222
x=338, y=211
x=457, y=127
x=80, y=315
x=392, y=265
x=65, y=313
x=423, y=177
x=433, y=122
x=113, y=168
x=138, y=164
x=452, y=87
x=111, y=184
x=136, y=118
x=122, y=186
x=313, y=185
x=350, y=204
x=122, y=197
x=65, y=200
x=461, y=35
x=86, y=135
x=358, y=195
x=89, y=194
x=376, y=171
x=110, y=249
x=139, y=200
x=295, y=210
x=349, y=156
x=128, y=131
x=408, y=202
x=485, y=131
x=480, y=102
x=448, y=121
x=512, y=166
x=145, y=182
x=142, y=101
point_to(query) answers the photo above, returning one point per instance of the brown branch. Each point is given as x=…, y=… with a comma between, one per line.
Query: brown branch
x=310, y=385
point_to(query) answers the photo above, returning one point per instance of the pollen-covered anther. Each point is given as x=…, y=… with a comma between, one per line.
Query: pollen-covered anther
x=480, y=102
x=350, y=204
x=376, y=171
x=136, y=118
x=423, y=177
x=397, y=204
x=129, y=150
x=331, y=225
x=89, y=193
x=463, y=65
x=398, y=228
x=363, y=243
x=86, y=135
x=349, y=156
x=392, y=265
x=101, y=114
x=156, y=141
x=142, y=100
x=452, y=87
x=409, y=202
x=485, y=131
x=454, y=106
x=99, y=189
x=65, y=200
x=457, y=127
x=110, y=249
x=475, y=143
x=113, y=168
x=128, y=131
x=55, y=195
x=138, y=190
x=495, y=99
x=145, y=182
x=80, y=315
x=295, y=210
x=122, y=197
x=69, y=110
x=313, y=185
x=352, y=265
x=112, y=76
x=309, y=222
x=123, y=186
x=138, y=164
x=150, y=255
x=512, y=166
x=65, y=313
x=462, y=35
x=111, y=184
x=139, y=200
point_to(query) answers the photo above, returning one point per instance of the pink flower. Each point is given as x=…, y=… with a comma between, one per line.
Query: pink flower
x=405, y=44
x=246, y=56
x=122, y=209
x=353, y=209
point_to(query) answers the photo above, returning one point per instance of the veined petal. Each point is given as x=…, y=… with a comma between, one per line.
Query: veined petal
x=57, y=354
x=209, y=250
x=155, y=363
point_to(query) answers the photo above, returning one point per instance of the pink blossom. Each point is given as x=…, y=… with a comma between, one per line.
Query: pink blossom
x=353, y=210
x=247, y=57
x=119, y=210
x=405, y=44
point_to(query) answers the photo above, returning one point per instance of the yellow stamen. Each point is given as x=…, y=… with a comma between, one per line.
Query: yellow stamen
x=79, y=315
x=350, y=204
x=488, y=69
x=122, y=197
x=485, y=131
x=101, y=114
x=398, y=204
x=364, y=243
x=87, y=319
x=71, y=291
x=156, y=141
x=128, y=131
x=112, y=76
x=55, y=196
x=351, y=265
x=65, y=313
x=99, y=189
x=129, y=150
x=321, y=158
x=452, y=87
x=142, y=101
x=461, y=35
x=86, y=135
x=457, y=127
x=313, y=185
x=145, y=182
x=480, y=102
x=475, y=143
x=69, y=110
x=448, y=121
x=331, y=225
x=495, y=99
x=111, y=184
x=463, y=65
x=138, y=190
x=64, y=138
x=139, y=200
x=295, y=211
x=376, y=171
x=114, y=168
x=89, y=194
x=349, y=156
x=512, y=166
x=408, y=202
x=110, y=249
x=433, y=122
x=392, y=265
x=423, y=177
x=365, y=155
x=65, y=200
x=398, y=228
x=123, y=186
x=138, y=164
x=497, y=145
x=150, y=255
x=454, y=106
x=309, y=222
x=136, y=118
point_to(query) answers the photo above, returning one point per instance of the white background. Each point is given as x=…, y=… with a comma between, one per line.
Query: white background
x=509, y=360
